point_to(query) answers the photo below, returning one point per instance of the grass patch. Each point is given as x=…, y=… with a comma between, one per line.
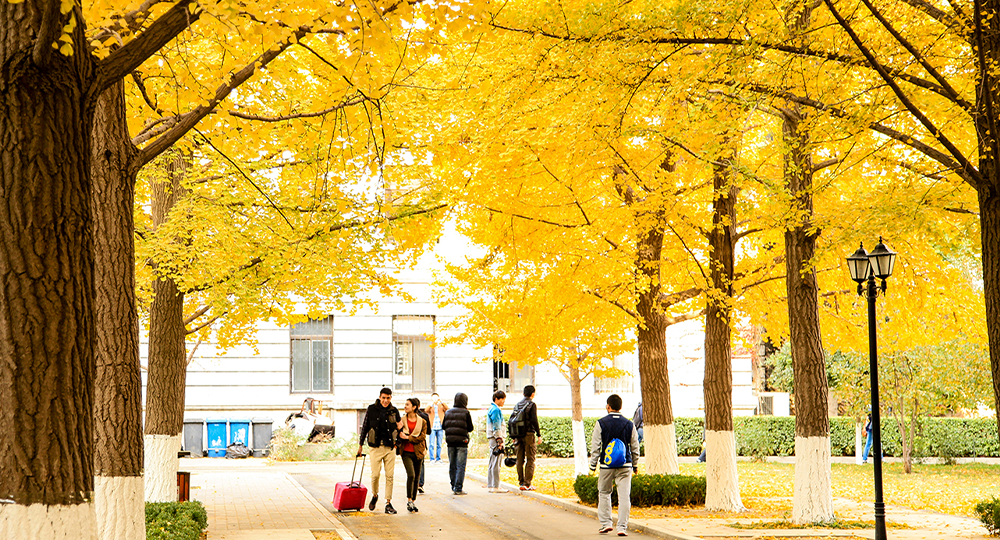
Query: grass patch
x=784, y=524
x=766, y=488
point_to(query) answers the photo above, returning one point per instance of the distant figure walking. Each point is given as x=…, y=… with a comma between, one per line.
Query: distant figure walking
x=526, y=412
x=379, y=429
x=637, y=420
x=413, y=449
x=495, y=433
x=615, y=445
x=435, y=411
x=457, y=426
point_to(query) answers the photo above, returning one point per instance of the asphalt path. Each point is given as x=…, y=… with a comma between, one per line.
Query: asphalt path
x=480, y=515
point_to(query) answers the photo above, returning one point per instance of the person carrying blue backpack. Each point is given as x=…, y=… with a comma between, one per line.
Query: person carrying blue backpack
x=615, y=447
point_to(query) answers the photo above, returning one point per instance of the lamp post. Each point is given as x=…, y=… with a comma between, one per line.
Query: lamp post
x=865, y=267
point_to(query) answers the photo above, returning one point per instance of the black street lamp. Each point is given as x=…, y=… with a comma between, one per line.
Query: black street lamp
x=865, y=267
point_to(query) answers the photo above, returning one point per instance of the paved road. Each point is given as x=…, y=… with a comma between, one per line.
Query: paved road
x=477, y=516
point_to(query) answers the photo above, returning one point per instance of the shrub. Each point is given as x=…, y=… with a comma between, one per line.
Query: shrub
x=989, y=513
x=758, y=436
x=649, y=490
x=175, y=521
x=285, y=445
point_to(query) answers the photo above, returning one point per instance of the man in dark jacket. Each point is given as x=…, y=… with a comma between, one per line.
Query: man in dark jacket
x=457, y=425
x=379, y=430
x=527, y=444
x=612, y=474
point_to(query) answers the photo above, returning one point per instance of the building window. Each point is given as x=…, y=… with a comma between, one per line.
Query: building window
x=312, y=348
x=413, y=355
x=510, y=377
x=623, y=384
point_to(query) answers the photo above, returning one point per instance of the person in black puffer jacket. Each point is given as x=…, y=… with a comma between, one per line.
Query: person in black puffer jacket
x=457, y=425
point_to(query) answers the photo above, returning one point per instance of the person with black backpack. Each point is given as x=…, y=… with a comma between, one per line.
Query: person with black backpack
x=523, y=428
x=618, y=460
x=379, y=430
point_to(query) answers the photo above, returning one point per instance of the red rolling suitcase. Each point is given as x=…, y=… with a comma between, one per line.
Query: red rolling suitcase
x=351, y=495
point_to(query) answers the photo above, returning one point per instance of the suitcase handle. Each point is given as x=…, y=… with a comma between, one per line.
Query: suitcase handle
x=362, y=458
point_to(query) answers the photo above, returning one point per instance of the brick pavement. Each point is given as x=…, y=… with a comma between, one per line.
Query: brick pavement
x=249, y=500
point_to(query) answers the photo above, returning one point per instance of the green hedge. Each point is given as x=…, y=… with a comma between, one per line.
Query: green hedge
x=775, y=436
x=649, y=490
x=989, y=513
x=175, y=521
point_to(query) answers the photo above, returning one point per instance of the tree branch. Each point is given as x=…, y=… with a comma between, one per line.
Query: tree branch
x=188, y=120
x=201, y=311
x=128, y=57
x=966, y=166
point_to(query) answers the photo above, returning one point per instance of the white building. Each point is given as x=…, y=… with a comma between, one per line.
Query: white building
x=344, y=359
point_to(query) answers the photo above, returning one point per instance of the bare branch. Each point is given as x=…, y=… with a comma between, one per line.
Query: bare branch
x=201, y=311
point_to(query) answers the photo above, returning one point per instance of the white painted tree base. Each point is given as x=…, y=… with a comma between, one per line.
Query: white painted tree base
x=660, y=441
x=723, y=489
x=161, y=467
x=120, y=506
x=581, y=464
x=41, y=522
x=813, y=498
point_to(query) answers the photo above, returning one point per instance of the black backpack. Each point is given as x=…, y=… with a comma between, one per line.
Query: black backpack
x=517, y=426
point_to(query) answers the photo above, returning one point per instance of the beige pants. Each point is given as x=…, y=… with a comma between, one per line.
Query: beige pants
x=383, y=456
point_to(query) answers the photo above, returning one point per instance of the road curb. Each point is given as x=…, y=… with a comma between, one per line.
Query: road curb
x=637, y=525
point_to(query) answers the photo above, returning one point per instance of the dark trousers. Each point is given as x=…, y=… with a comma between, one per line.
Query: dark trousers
x=526, y=459
x=413, y=466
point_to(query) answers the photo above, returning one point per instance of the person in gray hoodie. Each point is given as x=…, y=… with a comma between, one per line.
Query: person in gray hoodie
x=614, y=426
x=457, y=425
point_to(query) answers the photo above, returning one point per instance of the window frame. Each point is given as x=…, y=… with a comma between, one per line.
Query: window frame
x=310, y=338
x=399, y=337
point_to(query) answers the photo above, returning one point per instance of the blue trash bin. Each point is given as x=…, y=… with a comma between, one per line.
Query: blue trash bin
x=239, y=431
x=218, y=437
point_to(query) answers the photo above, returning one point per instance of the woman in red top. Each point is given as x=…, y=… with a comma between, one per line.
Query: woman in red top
x=413, y=446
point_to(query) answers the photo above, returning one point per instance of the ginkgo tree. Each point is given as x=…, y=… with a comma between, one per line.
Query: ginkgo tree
x=533, y=306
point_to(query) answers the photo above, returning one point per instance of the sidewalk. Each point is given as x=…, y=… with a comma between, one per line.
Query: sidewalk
x=252, y=499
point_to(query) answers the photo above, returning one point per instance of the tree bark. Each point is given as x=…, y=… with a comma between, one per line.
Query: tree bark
x=989, y=211
x=118, y=462
x=46, y=280
x=654, y=377
x=813, y=497
x=580, y=462
x=167, y=359
x=723, y=490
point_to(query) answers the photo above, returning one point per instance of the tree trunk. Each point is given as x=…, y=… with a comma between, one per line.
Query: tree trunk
x=723, y=491
x=118, y=487
x=989, y=212
x=46, y=281
x=167, y=361
x=813, y=496
x=580, y=462
x=658, y=415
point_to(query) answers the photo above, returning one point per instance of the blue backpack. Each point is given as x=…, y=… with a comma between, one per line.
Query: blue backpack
x=615, y=454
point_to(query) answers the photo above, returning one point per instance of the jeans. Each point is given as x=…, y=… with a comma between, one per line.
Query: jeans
x=607, y=479
x=457, y=457
x=868, y=447
x=434, y=444
x=639, y=430
x=413, y=466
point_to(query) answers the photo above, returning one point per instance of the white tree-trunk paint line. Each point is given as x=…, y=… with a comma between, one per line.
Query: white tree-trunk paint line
x=580, y=462
x=121, y=508
x=161, y=467
x=813, y=498
x=661, y=449
x=723, y=490
x=859, y=443
x=42, y=522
